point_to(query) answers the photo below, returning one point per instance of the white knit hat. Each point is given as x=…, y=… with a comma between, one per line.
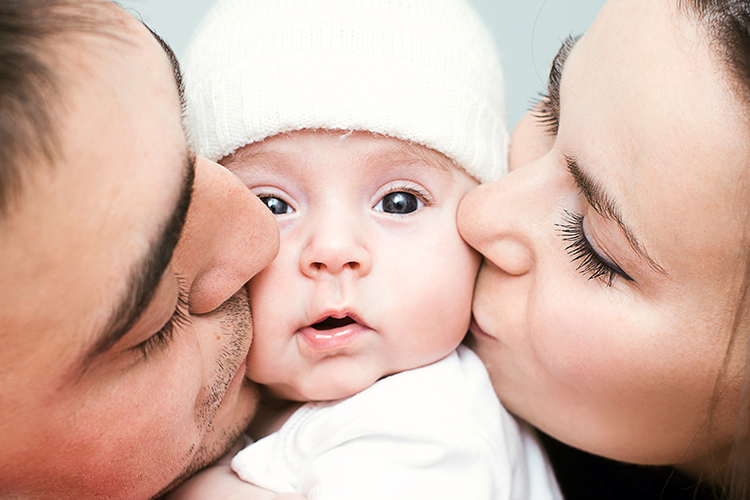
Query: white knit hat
x=425, y=71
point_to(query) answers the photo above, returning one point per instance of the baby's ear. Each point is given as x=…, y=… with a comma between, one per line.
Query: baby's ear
x=529, y=142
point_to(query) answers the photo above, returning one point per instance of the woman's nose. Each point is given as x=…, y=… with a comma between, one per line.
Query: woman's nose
x=500, y=220
x=228, y=237
x=335, y=245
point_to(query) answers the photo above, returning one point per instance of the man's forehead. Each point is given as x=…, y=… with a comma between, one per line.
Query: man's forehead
x=102, y=28
x=84, y=227
x=175, y=64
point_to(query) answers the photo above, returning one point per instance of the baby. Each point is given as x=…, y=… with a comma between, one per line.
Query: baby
x=361, y=124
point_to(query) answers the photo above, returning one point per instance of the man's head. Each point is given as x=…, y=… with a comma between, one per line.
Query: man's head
x=123, y=256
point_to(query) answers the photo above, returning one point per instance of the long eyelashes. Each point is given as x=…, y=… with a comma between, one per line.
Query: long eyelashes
x=544, y=112
x=590, y=264
x=547, y=108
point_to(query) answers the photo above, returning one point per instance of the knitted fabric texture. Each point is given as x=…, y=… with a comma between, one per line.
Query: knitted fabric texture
x=424, y=71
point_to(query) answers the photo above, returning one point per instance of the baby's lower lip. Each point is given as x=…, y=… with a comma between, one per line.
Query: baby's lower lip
x=326, y=341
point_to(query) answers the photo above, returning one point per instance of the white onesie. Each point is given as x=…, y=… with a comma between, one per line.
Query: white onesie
x=436, y=432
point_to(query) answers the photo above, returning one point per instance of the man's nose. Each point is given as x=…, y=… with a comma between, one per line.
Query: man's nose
x=229, y=236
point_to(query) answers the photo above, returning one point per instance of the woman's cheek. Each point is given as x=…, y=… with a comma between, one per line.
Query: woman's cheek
x=581, y=345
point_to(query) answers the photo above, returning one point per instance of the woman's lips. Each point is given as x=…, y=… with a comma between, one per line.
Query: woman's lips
x=331, y=334
x=476, y=330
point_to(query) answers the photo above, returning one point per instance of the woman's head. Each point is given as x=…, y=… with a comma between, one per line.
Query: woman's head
x=611, y=308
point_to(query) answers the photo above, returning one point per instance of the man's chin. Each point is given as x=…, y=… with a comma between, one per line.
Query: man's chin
x=222, y=438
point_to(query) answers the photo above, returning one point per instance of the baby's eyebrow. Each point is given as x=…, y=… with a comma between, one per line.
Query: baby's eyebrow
x=418, y=156
x=240, y=156
x=257, y=158
x=403, y=154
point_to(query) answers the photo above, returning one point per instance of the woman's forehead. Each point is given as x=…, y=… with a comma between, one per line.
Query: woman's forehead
x=648, y=111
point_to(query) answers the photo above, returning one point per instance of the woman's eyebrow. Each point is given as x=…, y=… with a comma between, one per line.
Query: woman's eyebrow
x=604, y=205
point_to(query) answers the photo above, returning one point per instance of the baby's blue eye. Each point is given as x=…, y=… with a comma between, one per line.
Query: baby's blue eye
x=276, y=205
x=399, y=202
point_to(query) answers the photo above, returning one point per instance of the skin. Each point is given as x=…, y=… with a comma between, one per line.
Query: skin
x=127, y=425
x=636, y=371
x=343, y=254
x=339, y=252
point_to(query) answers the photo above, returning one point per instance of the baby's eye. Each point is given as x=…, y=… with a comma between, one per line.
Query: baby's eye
x=399, y=202
x=276, y=205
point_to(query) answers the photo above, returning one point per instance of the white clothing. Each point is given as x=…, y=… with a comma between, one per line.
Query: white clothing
x=423, y=71
x=437, y=432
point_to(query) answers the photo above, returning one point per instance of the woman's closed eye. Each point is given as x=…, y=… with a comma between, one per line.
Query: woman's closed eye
x=590, y=263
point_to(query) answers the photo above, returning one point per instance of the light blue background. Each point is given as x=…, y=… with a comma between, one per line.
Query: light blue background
x=528, y=32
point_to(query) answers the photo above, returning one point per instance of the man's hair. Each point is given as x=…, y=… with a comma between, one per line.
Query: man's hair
x=30, y=90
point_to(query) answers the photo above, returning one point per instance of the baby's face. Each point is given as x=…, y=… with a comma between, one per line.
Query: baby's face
x=372, y=277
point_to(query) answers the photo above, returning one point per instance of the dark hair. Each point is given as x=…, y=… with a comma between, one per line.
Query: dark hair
x=29, y=88
x=727, y=24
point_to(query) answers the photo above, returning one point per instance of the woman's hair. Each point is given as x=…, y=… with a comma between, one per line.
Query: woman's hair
x=727, y=24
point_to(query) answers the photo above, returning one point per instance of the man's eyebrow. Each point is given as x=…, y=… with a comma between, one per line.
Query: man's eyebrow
x=145, y=275
x=603, y=204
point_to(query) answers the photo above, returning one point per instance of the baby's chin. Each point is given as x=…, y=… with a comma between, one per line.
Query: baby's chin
x=323, y=390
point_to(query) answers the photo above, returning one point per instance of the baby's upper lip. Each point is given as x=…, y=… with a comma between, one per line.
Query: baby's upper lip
x=335, y=319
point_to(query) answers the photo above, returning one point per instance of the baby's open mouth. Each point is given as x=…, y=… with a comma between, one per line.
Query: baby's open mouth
x=331, y=323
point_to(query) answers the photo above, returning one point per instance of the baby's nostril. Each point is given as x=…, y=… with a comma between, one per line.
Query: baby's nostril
x=330, y=323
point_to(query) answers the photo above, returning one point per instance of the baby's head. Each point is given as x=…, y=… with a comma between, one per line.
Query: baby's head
x=361, y=124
